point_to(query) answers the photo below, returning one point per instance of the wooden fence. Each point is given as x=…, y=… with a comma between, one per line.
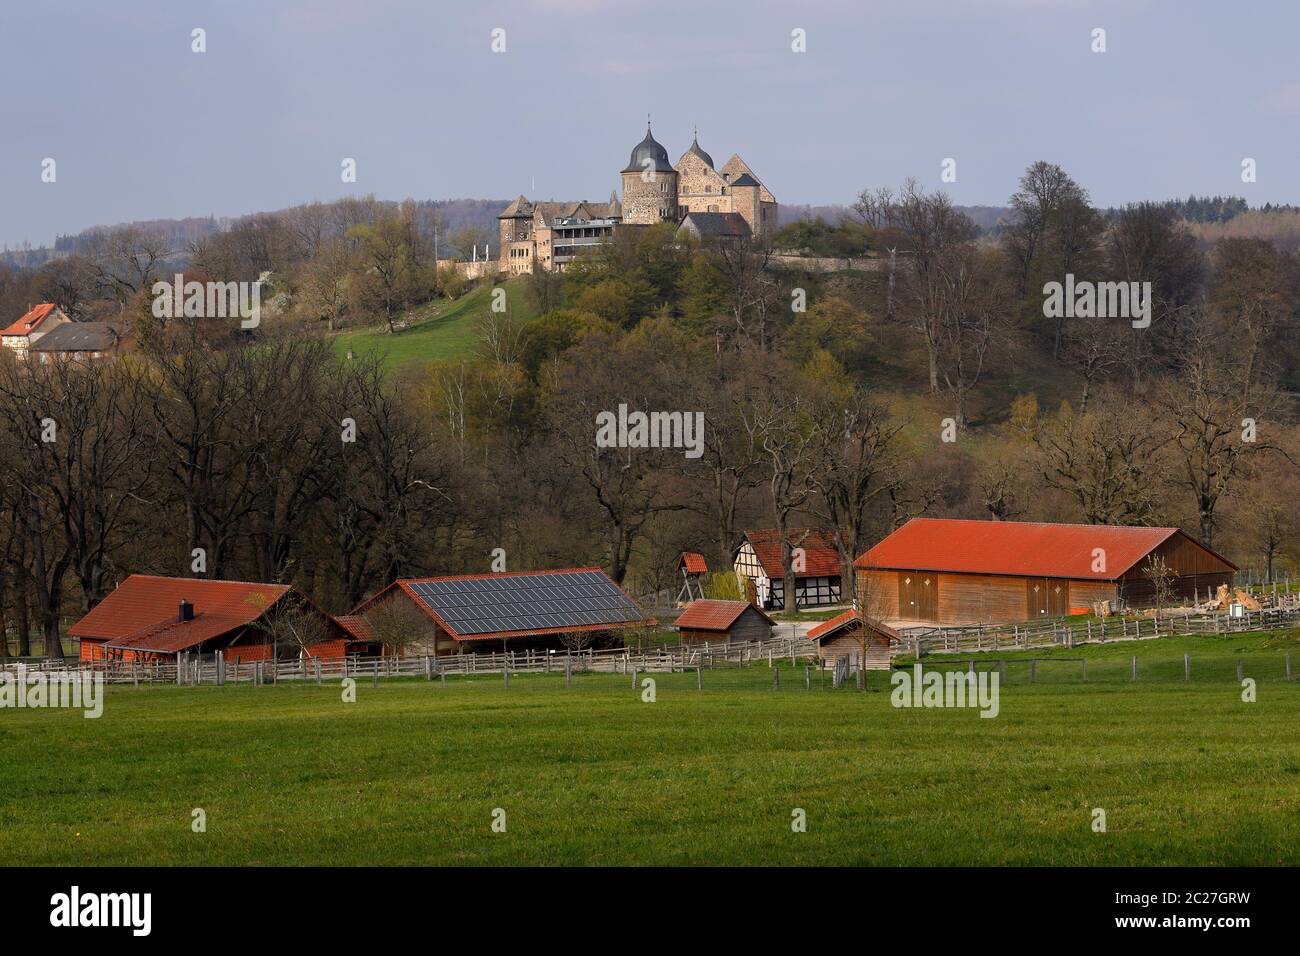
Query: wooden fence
x=989, y=663
x=988, y=639
x=214, y=669
x=1061, y=632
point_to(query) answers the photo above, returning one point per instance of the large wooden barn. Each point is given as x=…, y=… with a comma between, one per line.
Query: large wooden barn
x=949, y=571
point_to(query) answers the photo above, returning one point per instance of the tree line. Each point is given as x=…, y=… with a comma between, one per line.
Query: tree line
x=851, y=401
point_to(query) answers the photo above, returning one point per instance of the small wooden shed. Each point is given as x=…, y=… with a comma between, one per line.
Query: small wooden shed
x=723, y=622
x=842, y=637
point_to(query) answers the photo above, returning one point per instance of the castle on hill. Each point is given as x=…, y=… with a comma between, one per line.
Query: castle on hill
x=702, y=200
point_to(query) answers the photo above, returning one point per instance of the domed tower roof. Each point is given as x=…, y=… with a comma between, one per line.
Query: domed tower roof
x=695, y=148
x=649, y=149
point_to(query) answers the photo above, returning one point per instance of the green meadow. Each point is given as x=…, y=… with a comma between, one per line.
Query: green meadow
x=414, y=772
x=439, y=330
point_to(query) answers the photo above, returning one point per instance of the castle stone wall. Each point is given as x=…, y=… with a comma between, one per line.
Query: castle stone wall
x=642, y=201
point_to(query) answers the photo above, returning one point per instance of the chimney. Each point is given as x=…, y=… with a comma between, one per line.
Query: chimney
x=187, y=611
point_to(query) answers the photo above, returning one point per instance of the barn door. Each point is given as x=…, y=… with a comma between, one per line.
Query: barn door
x=1036, y=597
x=1046, y=597
x=918, y=596
x=1058, y=598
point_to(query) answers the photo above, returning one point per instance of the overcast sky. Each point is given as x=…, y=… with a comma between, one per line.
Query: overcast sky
x=141, y=127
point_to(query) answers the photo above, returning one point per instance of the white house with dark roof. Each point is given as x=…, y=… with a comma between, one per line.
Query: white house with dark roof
x=37, y=322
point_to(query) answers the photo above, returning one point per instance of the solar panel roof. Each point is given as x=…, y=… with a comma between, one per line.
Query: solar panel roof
x=546, y=601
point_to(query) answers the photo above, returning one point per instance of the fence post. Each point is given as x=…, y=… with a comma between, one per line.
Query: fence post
x=1187, y=667
x=375, y=679
x=1083, y=662
x=505, y=673
x=634, y=677
x=568, y=672
x=317, y=668
x=807, y=674
x=699, y=677
x=776, y=678
x=1239, y=676
x=1135, y=667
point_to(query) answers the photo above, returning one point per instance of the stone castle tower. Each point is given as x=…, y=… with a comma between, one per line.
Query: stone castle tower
x=649, y=184
x=726, y=203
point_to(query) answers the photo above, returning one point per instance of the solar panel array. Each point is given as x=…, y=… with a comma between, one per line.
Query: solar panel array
x=527, y=602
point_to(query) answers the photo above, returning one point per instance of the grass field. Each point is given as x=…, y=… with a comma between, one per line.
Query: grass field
x=411, y=773
x=438, y=330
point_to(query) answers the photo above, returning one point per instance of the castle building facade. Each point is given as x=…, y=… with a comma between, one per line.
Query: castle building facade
x=702, y=200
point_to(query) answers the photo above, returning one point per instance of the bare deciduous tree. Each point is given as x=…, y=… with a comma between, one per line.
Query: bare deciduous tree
x=400, y=625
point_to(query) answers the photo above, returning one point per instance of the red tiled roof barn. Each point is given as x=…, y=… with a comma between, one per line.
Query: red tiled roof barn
x=951, y=571
x=151, y=617
x=724, y=621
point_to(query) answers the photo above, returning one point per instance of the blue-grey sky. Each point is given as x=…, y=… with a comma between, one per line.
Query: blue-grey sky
x=141, y=127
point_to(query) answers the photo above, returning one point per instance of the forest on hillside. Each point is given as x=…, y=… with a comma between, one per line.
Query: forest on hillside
x=936, y=385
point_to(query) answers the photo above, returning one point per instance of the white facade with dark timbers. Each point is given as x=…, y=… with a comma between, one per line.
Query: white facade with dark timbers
x=818, y=578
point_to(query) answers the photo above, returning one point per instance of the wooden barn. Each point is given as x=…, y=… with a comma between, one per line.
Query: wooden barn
x=817, y=582
x=723, y=622
x=153, y=618
x=842, y=636
x=950, y=571
x=517, y=610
